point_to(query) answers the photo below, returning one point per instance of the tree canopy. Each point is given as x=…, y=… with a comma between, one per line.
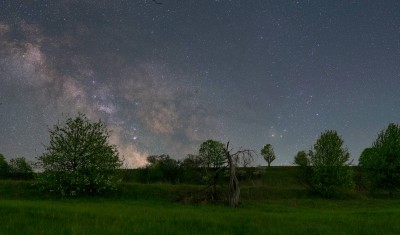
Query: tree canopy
x=268, y=153
x=79, y=159
x=382, y=160
x=330, y=173
x=213, y=154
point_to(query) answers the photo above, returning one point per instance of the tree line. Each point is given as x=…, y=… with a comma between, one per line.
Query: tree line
x=17, y=168
x=79, y=160
x=327, y=171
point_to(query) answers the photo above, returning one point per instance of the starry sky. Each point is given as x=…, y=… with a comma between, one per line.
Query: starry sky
x=167, y=75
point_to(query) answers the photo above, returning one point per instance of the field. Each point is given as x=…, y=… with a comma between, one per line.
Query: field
x=284, y=207
x=161, y=217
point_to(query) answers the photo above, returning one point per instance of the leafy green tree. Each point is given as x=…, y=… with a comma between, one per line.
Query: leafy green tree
x=382, y=160
x=79, y=159
x=330, y=173
x=4, y=167
x=20, y=168
x=213, y=154
x=268, y=153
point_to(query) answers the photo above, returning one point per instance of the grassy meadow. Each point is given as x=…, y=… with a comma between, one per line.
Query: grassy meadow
x=101, y=216
x=281, y=206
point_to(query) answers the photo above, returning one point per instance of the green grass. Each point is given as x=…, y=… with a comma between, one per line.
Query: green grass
x=108, y=216
x=276, y=203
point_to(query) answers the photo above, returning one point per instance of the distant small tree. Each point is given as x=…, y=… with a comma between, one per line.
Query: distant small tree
x=330, y=173
x=382, y=160
x=20, y=168
x=268, y=153
x=4, y=167
x=79, y=159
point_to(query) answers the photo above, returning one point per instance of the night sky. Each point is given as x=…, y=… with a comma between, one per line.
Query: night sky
x=166, y=77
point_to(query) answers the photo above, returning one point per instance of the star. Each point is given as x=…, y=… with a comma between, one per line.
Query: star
x=164, y=76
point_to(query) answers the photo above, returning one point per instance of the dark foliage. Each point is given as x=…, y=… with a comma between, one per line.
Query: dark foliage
x=192, y=169
x=382, y=160
x=4, y=167
x=20, y=169
x=331, y=176
x=302, y=159
x=162, y=168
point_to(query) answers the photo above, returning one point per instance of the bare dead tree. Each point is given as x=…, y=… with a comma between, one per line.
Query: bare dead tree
x=232, y=159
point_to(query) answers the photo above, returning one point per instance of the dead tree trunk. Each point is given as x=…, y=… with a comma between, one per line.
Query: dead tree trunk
x=234, y=188
x=230, y=162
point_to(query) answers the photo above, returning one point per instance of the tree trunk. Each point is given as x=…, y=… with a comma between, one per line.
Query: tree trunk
x=234, y=189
